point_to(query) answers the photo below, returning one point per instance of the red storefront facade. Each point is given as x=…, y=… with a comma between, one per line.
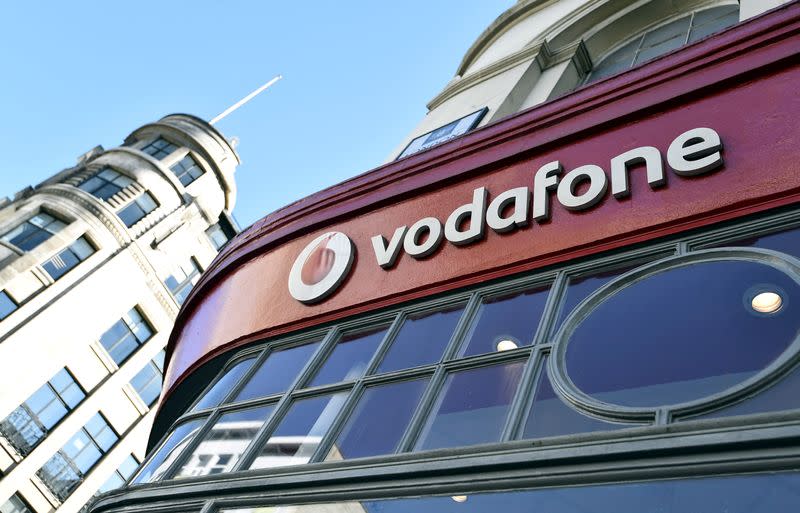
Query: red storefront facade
x=741, y=84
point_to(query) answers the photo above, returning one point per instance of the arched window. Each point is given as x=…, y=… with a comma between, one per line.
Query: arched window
x=665, y=38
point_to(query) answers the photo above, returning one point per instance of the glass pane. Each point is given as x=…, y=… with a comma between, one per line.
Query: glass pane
x=147, y=383
x=81, y=248
x=780, y=396
x=422, y=339
x=82, y=452
x=550, y=416
x=683, y=334
x=787, y=241
x=350, y=357
x=580, y=287
x=279, y=371
x=101, y=432
x=112, y=483
x=506, y=322
x=131, y=214
x=60, y=264
x=14, y=505
x=147, y=202
x=229, y=437
x=379, y=420
x=298, y=435
x=128, y=466
x=223, y=387
x=160, y=461
x=478, y=398
x=716, y=25
x=6, y=305
x=756, y=493
x=677, y=28
x=616, y=62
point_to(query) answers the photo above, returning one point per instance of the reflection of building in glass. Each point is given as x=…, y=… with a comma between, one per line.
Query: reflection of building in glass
x=589, y=303
x=86, y=305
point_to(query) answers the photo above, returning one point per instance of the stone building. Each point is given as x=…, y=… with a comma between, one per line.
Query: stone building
x=575, y=287
x=94, y=265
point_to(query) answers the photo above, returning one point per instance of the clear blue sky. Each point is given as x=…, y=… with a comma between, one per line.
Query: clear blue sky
x=357, y=76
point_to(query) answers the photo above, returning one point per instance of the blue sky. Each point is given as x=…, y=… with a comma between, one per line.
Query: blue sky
x=357, y=76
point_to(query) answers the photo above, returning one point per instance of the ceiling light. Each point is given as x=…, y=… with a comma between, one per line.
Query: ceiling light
x=459, y=498
x=767, y=302
x=506, y=345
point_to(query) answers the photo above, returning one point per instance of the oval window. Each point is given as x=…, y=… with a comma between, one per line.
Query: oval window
x=683, y=333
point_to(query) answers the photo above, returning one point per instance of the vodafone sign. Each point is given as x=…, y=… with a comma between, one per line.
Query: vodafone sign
x=325, y=262
x=321, y=267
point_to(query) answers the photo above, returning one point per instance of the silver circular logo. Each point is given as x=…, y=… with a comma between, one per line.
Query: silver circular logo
x=321, y=267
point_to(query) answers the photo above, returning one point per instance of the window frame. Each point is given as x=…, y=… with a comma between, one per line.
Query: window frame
x=139, y=344
x=96, y=174
x=641, y=35
x=624, y=452
x=68, y=248
x=55, y=219
x=152, y=144
x=135, y=202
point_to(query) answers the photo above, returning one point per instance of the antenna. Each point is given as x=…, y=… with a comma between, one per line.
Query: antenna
x=244, y=100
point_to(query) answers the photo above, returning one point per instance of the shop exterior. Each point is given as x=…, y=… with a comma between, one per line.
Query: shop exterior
x=591, y=305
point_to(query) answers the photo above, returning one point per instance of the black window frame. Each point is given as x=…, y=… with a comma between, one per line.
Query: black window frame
x=184, y=172
x=160, y=148
x=129, y=331
x=139, y=211
x=106, y=183
x=54, y=220
x=178, y=290
x=33, y=417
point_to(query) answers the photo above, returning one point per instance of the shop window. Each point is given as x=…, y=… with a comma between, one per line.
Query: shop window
x=66, y=469
x=137, y=209
x=349, y=358
x=278, y=372
x=479, y=398
x=549, y=415
x=506, y=322
x=632, y=344
x=147, y=382
x=630, y=351
x=68, y=258
x=300, y=432
x=187, y=170
x=181, y=282
x=126, y=335
x=168, y=451
x=222, y=388
x=665, y=38
x=105, y=183
x=378, y=422
x=121, y=475
x=7, y=305
x=766, y=492
x=227, y=440
x=159, y=148
x=15, y=504
x=33, y=231
x=29, y=423
x=422, y=339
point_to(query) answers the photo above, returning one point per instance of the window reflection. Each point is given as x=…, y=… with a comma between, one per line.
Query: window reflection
x=224, y=444
x=472, y=407
x=379, y=421
x=550, y=416
x=223, y=386
x=787, y=241
x=421, y=339
x=506, y=322
x=682, y=334
x=169, y=451
x=277, y=372
x=350, y=357
x=298, y=435
x=756, y=493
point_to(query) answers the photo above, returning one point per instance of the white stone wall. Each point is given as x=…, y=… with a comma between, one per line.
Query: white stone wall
x=58, y=323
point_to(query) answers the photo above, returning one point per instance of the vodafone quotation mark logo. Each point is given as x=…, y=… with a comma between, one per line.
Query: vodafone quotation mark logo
x=321, y=267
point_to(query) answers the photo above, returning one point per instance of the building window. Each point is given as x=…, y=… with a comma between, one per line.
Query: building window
x=65, y=470
x=662, y=335
x=33, y=231
x=137, y=209
x=15, y=504
x=147, y=382
x=121, y=475
x=105, y=183
x=66, y=259
x=29, y=423
x=7, y=305
x=181, y=282
x=159, y=148
x=126, y=335
x=217, y=236
x=665, y=38
x=187, y=170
